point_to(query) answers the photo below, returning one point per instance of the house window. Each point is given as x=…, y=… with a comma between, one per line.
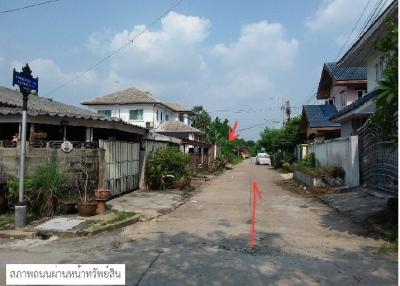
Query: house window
x=343, y=98
x=361, y=93
x=136, y=114
x=157, y=115
x=161, y=116
x=331, y=101
x=379, y=69
x=104, y=112
x=166, y=117
x=181, y=117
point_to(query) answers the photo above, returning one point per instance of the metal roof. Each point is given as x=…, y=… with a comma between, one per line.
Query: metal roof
x=319, y=115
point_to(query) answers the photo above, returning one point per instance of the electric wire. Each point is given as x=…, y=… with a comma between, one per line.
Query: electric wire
x=115, y=51
x=28, y=6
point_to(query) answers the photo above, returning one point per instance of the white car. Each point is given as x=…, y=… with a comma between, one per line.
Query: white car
x=263, y=159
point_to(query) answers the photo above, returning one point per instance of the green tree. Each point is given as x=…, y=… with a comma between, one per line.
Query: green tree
x=385, y=117
x=284, y=139
x=201, y=119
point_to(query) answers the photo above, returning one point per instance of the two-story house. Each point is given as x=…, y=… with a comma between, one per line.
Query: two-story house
x=364, y=54
x=338, y=87
x=141, y=108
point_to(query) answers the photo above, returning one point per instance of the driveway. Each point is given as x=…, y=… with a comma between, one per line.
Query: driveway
x=299, y=241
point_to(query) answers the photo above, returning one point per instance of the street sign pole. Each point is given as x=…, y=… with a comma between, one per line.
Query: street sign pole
x=26, y=84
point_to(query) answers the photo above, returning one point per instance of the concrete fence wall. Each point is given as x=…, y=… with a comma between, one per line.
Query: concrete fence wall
x=340, y=152
x=35, y=157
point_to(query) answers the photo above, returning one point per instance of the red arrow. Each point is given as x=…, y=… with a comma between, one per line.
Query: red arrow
x=232, y=134
x=256, y=193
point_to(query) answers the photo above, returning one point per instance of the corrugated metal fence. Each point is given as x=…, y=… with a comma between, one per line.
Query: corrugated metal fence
x=121, y=165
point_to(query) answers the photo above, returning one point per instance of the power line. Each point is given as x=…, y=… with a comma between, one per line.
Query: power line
x=29, y=6
x=352, y=30
x=115, y=51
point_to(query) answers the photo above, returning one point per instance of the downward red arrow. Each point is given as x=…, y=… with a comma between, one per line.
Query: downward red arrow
x=232, y=134
x=256, y=194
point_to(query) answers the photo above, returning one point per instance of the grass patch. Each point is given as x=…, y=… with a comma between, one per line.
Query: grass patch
x=389, y=247
x=6, y=221
x=120, y=217
x=236, y=160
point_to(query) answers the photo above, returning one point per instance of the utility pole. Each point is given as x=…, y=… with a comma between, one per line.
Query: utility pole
x=288, y=110
x=27, y=84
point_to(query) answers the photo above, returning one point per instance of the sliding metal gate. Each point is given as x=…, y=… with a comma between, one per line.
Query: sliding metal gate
x=122, y=165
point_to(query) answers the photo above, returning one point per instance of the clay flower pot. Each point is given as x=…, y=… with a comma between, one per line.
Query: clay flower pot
x=102, y=194
x=87, y=209
x=180, y=184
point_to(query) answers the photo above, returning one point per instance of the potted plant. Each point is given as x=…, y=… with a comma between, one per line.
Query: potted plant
x=101, y=195
x=86, y=204
x=67, y=201
x=180, y=183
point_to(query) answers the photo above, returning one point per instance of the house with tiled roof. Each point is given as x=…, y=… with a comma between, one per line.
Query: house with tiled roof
x=141, y=108
x=363, y=54
x=315, y=122
x=59, y=121
x=340, y=86
x=138, y=107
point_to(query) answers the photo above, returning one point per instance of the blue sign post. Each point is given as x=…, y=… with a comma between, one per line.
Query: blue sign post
x=25, y=81
x=26, y=84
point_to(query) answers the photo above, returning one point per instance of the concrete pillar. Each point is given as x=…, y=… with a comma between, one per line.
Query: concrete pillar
x=32, y=129
x=64, y=132
x=202, y=155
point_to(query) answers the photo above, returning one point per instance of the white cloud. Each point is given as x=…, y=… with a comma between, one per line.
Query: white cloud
x=339, y=15
x=260, y=45
x=47, y=70
x=170, y=53
x=175, y=63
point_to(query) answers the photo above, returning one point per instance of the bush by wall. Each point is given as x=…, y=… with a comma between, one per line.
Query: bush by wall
x=165, y=166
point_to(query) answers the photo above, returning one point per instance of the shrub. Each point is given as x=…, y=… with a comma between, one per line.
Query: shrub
x=219, y=163
x=42, y=187
x=12, y=187
x=309, y=161
x=287, y=167
x=277, y=160
x=164, y=166
x=338, y=172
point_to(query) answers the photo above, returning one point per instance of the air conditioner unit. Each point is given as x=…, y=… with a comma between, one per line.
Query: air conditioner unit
x=149, y=124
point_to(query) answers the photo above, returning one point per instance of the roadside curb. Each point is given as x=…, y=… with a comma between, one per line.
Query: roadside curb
x=108, y=227
x=16, y=234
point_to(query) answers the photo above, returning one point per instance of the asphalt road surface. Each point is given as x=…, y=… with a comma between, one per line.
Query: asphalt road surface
x=299, y=241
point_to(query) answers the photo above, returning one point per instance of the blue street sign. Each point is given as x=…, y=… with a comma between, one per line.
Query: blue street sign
x=25, y=81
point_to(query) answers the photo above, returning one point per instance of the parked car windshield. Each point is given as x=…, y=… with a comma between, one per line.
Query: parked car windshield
x=263, y=155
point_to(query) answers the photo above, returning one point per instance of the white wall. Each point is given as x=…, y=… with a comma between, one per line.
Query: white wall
x=346, y=128
x=371, y=74
x=149, y=113
x=340, y=152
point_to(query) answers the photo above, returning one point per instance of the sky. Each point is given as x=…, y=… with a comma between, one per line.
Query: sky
x=238, y=59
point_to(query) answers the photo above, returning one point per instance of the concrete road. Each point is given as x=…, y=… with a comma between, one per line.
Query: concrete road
x=299, y=241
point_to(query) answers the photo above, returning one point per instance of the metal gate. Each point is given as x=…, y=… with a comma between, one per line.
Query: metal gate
x=378, y=160
x=122, y=165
